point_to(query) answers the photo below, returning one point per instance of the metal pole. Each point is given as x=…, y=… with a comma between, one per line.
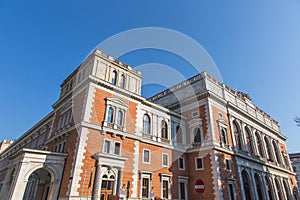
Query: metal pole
x=200, y=196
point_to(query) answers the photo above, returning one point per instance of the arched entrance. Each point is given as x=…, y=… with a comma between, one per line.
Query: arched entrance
x=108, y=185
x=38, y=185
x=246, y=184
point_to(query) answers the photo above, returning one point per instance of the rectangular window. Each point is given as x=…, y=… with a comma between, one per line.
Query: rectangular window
x=231, y=191
x=63, y=147
x=55, y=148
x=165, y=160
x=106, y=147
x=146, y=156
x=145, y=187
x=182, y=190
x=165, y=185
x=228, y=164
x=181, y=164
x=195, y=114
x=117, y=150
x=199, y=163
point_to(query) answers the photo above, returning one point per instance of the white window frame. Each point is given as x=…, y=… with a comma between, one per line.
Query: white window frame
x=147, y=176
x=162, y=159
x=110, y=147
x=114, y=148
x=183, y=161
x=143, y=158
x=196, y=167
x=165, y=177
x=229, y=161
x=185, y=181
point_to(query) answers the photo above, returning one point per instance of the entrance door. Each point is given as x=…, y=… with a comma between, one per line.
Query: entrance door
x=107, y=187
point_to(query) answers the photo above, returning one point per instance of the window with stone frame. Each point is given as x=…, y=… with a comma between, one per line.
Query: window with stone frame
x=146, y=156
x=114, y=75
x=115, y=115
x=181, y=163
x=249, y=140
x=179, y=134
x=165, y=160
x=146, y=124
x=238, y=135
x=164, y=130
x=122, y=81
x=199, y=163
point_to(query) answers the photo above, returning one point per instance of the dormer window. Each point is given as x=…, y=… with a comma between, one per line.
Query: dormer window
x=114, y=78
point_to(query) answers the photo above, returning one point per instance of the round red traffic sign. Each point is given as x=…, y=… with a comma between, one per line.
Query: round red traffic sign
x=199, y=186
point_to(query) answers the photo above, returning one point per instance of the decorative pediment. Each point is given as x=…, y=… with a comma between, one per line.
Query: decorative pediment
x=115, y=101
x=195, y=122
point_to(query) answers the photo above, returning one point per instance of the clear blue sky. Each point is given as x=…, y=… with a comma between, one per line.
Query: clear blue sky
x=255, y=44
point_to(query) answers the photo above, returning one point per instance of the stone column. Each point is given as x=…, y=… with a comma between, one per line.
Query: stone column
x=264, y=187
x=96, y=186
x=119, y=181
x=252, y=185
x=241, y=182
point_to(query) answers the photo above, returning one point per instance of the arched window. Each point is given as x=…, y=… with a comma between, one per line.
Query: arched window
x=122, y=81
x=178, y=134
x=259, y=144
x=120, y=118
x=164, y=129
x=249, y=140
x=246, y=185
x=197, y=135
x=146, y=124
x=269, y=188
x=277, y=153
x=114, y=77
x=258, y=186
x=268, y=148
x=110, y=115
x=237, y=135
x=278, y=189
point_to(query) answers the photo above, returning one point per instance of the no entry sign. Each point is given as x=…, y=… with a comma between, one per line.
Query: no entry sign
x=199, y=186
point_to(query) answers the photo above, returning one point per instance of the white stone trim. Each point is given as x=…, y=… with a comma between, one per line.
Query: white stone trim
x=216, y=176
x=135, y=171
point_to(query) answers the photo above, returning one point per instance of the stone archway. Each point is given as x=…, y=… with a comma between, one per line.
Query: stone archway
x=39, y=185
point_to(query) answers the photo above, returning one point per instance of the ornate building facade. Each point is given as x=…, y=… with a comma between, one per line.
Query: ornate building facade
x=103, y=138
x=295, y=159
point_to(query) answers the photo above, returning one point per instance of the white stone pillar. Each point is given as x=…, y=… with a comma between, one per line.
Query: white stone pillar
x=96, y=186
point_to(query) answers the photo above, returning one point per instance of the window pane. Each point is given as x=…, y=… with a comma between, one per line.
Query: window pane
x=165, y=189
x=165, y=160
x=199, y=163
x=110, y=115
x=106, y=146
x=122, y=81
x=182, y=191
x=181, y=163
x=145, y=187
x=114, y=77
x=120, y=118
x=117, y=150
x=146, y=156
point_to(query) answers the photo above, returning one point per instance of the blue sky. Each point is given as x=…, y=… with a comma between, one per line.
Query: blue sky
x=255, y=45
